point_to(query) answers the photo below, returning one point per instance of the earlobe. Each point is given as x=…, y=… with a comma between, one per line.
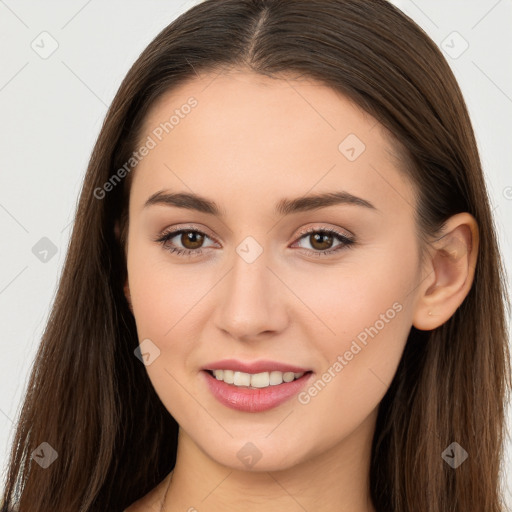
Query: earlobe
x=450, y=272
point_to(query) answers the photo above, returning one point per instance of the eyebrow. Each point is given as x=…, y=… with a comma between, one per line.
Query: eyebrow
x=283, y=207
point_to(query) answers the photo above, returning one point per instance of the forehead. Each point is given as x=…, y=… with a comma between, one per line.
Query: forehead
x=249, y=133
x=249, y=103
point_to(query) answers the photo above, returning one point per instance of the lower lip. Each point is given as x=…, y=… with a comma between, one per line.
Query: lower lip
x=254, y=399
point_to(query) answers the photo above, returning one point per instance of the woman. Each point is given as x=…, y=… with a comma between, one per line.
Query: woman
x=283, y=287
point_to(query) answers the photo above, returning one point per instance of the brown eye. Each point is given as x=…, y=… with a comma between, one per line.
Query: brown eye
x=189, y=242
x=186, y=242
x=321, y=240
x=191, y=239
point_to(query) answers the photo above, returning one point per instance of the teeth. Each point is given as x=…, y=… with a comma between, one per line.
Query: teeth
x=276, y=378
x=259, y=380
x=242, y=379
x=255, y=380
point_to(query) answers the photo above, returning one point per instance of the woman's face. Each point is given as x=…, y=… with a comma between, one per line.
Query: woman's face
x=255, y=286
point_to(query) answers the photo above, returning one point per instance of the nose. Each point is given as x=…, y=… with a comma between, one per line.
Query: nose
x=251, y=301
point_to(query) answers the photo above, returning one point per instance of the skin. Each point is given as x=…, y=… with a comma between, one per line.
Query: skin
x=250, y=142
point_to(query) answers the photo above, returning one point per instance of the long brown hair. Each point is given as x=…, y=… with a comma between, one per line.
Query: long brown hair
x=90, y=398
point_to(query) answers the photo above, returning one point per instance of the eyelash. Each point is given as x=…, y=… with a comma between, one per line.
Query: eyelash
x=347, y=243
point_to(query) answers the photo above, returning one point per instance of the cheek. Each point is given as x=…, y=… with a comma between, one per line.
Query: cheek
x=363, y=317
x=367, y=297
x=344, y=398
x=163, y=299
x=163, y=292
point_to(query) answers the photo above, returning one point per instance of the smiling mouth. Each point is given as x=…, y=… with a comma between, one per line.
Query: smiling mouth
x=255, y=380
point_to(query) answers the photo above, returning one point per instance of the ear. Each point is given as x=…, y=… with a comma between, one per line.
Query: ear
x=450, y=270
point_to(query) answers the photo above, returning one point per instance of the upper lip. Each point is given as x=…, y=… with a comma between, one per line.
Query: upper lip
x=253, y=367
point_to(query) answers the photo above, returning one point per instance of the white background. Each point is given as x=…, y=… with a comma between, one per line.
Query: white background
x=52, y=110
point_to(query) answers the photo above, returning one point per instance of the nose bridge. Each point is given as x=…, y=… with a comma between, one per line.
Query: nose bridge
x=250, y=268
x=251, y=300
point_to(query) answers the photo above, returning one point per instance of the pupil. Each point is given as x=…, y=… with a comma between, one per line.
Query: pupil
x=316, y=236
x=189, y=237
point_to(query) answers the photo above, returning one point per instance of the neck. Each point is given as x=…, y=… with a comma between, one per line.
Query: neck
x=335, y=479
